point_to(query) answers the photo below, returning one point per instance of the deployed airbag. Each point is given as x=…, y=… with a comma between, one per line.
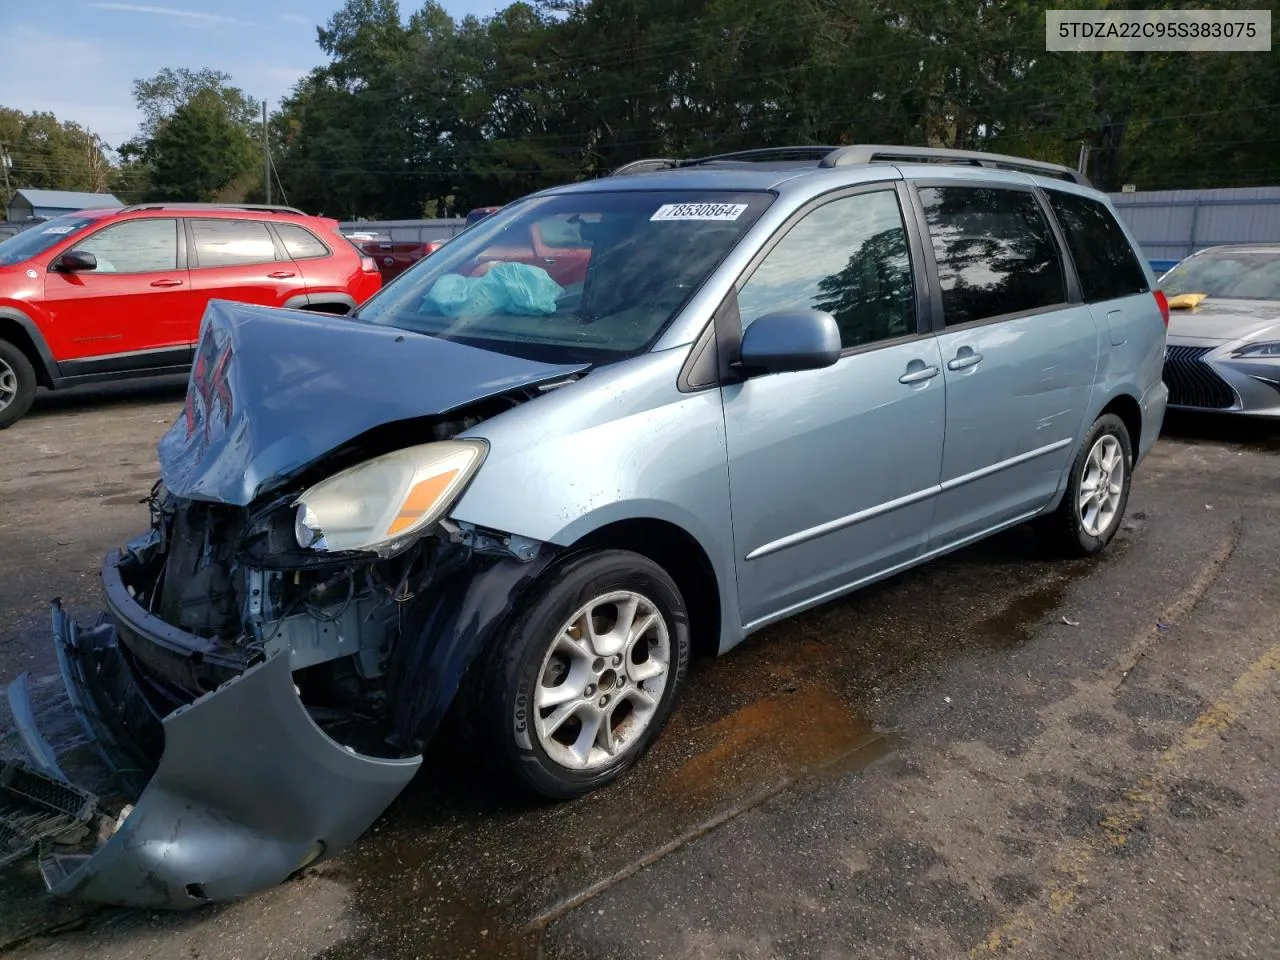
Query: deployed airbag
x=507, y=288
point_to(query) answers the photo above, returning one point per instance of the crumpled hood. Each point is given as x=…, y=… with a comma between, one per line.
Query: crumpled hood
x=271, y=390
x=1223, y=320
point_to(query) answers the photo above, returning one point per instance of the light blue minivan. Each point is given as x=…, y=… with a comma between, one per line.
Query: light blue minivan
x=611, y=425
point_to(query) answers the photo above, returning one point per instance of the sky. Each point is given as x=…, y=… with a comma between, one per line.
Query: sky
x=78, y=58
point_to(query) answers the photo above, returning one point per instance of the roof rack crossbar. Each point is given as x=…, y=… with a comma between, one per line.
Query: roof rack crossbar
x=160, y=205
x=873, y=153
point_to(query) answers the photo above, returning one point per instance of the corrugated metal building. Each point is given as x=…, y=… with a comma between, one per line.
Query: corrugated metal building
x=1171, y=224
x=25, y=204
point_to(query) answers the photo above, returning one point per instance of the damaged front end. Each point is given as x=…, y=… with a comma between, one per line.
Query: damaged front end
x=267, y=671
x=283, y=712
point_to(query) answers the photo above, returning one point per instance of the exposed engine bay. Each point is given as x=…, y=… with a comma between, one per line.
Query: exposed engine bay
x=236, y=579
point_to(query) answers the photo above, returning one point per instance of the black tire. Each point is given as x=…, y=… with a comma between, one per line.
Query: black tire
x=14, y=364
x=503, y=707
x=1065, y=525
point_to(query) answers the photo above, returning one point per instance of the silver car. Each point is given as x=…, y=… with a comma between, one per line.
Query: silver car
x=615, y=424
x=1224, y=331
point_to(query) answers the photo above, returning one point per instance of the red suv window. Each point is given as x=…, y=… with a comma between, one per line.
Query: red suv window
x=228, y=243
x=135, y=246
x=299, y=242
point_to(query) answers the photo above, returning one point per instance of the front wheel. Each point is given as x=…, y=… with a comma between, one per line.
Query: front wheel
x=1098, y=490
x=17, y=384
x=585, y=677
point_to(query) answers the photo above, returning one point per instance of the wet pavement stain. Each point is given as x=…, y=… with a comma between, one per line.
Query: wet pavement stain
x=455, y=873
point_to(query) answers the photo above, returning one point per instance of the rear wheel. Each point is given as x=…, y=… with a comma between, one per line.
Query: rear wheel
x=585, y=677
x=17, y=384
x=1097, y=492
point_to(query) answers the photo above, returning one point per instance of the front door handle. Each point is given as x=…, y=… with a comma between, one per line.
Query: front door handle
x=281, y=275
x=966, y=357
x=918, y=375
x=166, y=283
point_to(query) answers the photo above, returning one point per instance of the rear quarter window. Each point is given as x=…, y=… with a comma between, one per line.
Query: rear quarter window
x=1105, y=261
x=300, y=243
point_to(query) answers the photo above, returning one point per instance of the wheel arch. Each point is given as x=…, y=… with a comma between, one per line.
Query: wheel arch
x=1129, y=410
x=20, y=330
x=1124, y=405
x=321, y=302
x=680, y=554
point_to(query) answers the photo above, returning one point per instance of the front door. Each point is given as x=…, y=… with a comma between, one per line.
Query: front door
x=1019, y=357
x=832, y=472
x=125, y=314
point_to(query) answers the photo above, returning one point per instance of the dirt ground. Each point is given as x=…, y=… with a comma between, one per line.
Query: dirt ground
x=1000, y=753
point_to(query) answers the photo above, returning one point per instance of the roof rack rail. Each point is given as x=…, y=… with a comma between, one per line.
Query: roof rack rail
x=769, y=153
x=874, y=153
x=762, y=154
x=644, y=166
x=161, y=205
x=865, y=153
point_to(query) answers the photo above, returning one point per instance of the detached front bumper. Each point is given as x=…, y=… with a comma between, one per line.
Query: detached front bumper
x=247, y=789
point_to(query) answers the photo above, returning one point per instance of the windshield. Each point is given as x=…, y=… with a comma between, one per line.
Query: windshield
x=38, y=239
x=581, y=277
x=1231, y=274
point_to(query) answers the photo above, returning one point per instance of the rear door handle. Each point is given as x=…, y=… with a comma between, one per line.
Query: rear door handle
x=919, y=375
x=962, y=360
x=281, y=275
x=166, y=283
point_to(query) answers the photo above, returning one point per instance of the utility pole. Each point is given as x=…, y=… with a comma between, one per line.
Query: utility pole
x=266, y=153
x=1082, y=162
x=5, y=163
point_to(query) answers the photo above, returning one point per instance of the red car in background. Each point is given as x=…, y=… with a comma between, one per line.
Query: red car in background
x=394, y=257
x=119, y=293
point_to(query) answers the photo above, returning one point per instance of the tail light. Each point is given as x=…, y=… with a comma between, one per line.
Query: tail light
x=368, y=265
x=1163, y=303
x=432, y=247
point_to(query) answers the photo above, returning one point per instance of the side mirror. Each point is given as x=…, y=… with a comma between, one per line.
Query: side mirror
x=789, y=340
x=74, y=261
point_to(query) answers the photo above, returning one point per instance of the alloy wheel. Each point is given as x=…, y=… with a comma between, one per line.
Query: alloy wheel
x=8, y=384
x=602, y=680
x=1101, y=486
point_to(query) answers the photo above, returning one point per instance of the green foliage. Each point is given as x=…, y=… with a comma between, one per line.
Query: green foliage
x=415, y=113
x=48, y=155
x=433, y=114
x=199, y=139
x=197, y=151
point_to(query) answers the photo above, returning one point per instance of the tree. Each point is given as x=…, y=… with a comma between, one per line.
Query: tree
x=199, y=136
x=433, y=113
x=160, y=96
x=49, y=155
x=197, y=151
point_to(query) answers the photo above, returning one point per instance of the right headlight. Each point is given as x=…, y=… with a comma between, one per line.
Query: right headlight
x=386, y=503
x=1264, y=349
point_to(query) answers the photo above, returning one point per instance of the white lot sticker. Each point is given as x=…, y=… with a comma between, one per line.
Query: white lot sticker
x=699, y=211
x=58, y=229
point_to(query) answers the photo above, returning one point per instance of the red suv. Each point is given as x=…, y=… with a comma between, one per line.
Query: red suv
x=108, y=294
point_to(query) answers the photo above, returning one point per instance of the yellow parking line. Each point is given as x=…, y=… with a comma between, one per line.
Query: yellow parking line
x=1146, y=794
